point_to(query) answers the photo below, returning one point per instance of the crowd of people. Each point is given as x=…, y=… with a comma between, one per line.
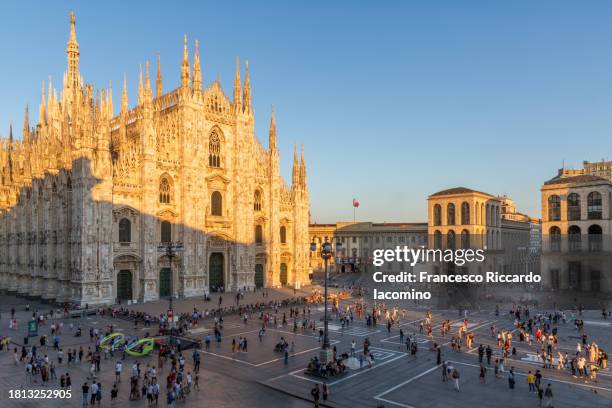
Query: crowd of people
x=49, y=362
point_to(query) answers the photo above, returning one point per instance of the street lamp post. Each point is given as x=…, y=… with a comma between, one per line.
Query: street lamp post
x=326, y=254
x=170, y=249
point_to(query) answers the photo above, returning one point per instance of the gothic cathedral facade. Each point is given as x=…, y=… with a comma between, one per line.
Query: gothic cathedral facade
x=175, y=196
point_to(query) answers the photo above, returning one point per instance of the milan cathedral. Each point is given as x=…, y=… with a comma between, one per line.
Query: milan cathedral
x=173, y=197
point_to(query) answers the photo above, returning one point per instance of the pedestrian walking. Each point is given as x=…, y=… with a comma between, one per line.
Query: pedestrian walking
x=114, y=392
x=511, y=380
x=531, y=381
x=444, y=374
x=118, y=369
x=85, y=389
x=315, y=392
x=548, y=394
x=455, y=376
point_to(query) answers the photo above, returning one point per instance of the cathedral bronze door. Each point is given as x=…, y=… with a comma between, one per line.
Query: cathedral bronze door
x=283, y=274
x=165, y=282
x=124, y=285
x=259, y=281
x=215, y=271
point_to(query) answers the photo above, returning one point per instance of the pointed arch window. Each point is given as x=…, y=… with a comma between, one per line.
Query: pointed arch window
x=258, y=234
x=214, y=150
x=165, y=191
x=216, y=204
x=166, y=232
x=257, y=201
x=125, y=230
x=283, y=234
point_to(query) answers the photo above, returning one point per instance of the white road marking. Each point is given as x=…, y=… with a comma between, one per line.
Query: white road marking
x=399, y=404
x=332, y=342
x=547, y=378
x=597, y=323
x=416, y=377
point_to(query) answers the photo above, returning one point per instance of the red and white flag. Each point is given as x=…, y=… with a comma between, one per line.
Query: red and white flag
x=355, y=203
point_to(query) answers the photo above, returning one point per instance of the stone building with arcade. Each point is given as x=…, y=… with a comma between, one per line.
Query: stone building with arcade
x=90, y=200
x=576, y=228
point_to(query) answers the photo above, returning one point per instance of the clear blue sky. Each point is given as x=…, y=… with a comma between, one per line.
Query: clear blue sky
x=392, y=100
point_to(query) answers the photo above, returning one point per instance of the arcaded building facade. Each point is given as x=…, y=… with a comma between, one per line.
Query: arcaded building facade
x=91, y=202
x=463, y=218
x=576, y=228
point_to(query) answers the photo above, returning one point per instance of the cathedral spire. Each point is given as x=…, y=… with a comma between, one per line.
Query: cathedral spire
x=295, y=171
x=303, y=170
x=111, y=109
x=158, y=82
x=50, y=97
x=124, y=96
x=10, y=153
x=247, y=90
x=237, y=89
x=26, y=126
x=197, y=71
x=272, y=134
x=42, y=109
x=185, y=66
x=140, y=88
x=148, y=91
x=72, y=52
